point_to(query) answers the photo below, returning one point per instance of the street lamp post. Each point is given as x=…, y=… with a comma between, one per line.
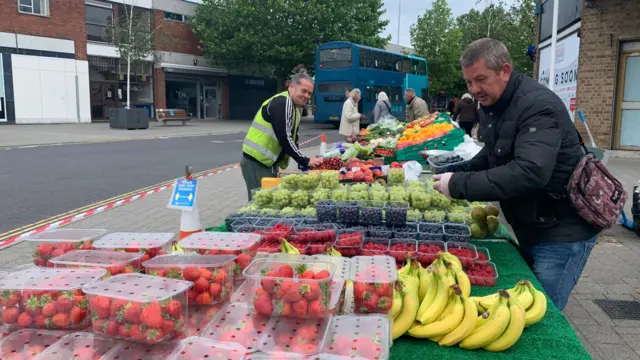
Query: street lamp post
x=399, y=12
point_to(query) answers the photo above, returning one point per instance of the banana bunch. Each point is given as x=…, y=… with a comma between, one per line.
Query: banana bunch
x=288, y=248
x=405, y=299
x=533, y=301
x=331, y=251
x=498, y=328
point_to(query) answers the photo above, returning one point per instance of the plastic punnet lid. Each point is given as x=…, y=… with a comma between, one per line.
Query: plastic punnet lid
x=138, y=287
x=334, y=357
x=96, y=258
x=123, y=240
x=366, y=336
x=220, y=241
x=201, y=348
x=375, y=269
x=257, y=268
x=240, y=295
x=235, y=323
x=140, y=351
x=50, y=279
x=25, y=341
x=263, y=356
x=80, y=345
x=343, y=264
x=66, y=235
x=293, y=336
x=187, y=260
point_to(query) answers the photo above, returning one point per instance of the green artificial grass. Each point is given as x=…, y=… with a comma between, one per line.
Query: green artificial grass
x=551, y=338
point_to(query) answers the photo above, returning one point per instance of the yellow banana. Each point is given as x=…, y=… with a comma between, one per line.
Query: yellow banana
x=525, y=298
x=397, y=302
x=490, y=331
x=485, y=316
x=435, y=339
x=408, y=313
x=463, y=281
x=451, y=258
x=430, y=295
x=288, y=248
x=331, y=251
x=405, y=269
x=466, y=326
x=439, y=303
x=537, y=310
x=446, y=324
x=409, y=281
x=476, y=300
x=451, y=301
x=424, y=278
x=514, y=329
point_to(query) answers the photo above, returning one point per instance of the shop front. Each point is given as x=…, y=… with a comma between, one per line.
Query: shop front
x=199, y=95
x=108, y=86
x=247, y=94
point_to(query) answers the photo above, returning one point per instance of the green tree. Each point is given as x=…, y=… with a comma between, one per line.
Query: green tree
x=271, y=37
x=514, y=26
x=436, y=37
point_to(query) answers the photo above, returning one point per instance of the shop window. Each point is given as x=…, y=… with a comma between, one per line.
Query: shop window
x=182, y=95
x=99, y=18
x=175, y=17
x=34, y=7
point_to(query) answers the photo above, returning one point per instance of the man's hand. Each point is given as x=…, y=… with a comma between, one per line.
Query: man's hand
x=313, y=162
x=442, y=184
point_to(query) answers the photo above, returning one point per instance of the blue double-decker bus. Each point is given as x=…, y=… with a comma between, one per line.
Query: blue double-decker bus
x=341, y=66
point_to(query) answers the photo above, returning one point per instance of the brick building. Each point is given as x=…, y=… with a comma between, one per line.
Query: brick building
x=58, y=64
x=597, y=65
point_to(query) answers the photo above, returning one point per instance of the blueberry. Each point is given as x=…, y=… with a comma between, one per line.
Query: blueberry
x=371, y=213
x=263, y=222
x=309, y=221
x=430, y=228
x=349, y=212
x=456, y=232
x=409, y=231
x=230, y=219
x=326, y=211
x=396, y=213
x=379, y=232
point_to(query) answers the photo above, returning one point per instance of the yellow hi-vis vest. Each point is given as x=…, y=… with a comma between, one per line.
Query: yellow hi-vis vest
x=261, y=142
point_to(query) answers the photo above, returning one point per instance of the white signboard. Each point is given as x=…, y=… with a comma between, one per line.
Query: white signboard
x=566, y=79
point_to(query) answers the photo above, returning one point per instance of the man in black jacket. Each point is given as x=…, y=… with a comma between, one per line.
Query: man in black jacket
x=531, y=148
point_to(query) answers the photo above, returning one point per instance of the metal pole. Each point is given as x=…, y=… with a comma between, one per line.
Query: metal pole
x=554, y=39
x=399, y=12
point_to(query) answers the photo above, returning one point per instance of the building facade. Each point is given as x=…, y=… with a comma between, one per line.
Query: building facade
x=597, y=66
x=59, y=63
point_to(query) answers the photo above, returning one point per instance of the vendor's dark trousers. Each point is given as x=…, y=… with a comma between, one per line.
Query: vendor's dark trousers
x=558, y=266
x=253, y=172
x=467, y=126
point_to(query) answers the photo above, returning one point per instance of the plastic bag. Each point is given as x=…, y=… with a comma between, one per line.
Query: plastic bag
x=349, y=153
x=468, y=146
x=412, y=170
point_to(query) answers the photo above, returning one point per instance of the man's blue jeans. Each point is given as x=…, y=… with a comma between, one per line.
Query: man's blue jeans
x=558, y=266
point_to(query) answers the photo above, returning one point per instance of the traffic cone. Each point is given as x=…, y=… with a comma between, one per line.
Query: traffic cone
x=323, y=144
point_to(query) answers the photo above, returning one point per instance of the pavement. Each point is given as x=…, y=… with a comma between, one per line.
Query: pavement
x=42, y=181
x=612, y=272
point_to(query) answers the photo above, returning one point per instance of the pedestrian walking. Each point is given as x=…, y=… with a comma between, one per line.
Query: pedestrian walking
x=416, y=107
x=350, y=119
x=465, y=113
x=382, y=107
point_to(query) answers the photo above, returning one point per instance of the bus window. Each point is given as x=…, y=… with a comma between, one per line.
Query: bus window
x=378, y=59
x=404, y=65
x=335, y=58
x=365, y=58
x=414, y=66
x=338, y=88
x=388, y=62
x=422, y=68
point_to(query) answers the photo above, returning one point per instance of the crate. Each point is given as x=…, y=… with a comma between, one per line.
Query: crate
x=447, y=142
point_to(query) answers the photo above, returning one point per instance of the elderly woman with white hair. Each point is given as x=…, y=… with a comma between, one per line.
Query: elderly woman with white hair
x=382, y=108
x=350, y=119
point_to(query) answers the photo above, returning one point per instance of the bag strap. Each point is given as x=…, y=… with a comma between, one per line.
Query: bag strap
x=387, y=105
x=581, y=140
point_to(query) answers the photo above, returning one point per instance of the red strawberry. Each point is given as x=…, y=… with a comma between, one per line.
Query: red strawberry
x=322, y=274
x=154, y=335
x=116, y=307
x=370, y=302
x=205, y=273
x=9, y=298
x=57, y=252
x=64, y=302
x=204, y=299
x=191, y=273
x=283, y=289
x=283, y=308
x=77, y=315
x=128, y=269
x=100, y=325
x=384, y=304
x=269, y=285
x=136, y=332
x=33, y=306
x=383, y=289
x=10, y=315
x=112, y=327
x=101, y=305
x=220, y=276
x=124, y=330
x=174, y=309
x=49, y=309
x=144, y=257
x=168, y=326
x=317, y=309
x=201, y=285
x=41, y=321
x=263, y=305
x=60, y=320
x=300, y=308
x=132, y=313
x=215, y=290
x=311, y=291
x=285, y=271
x=243, y=260
x=191, y=296
x=294, y=293
x=44, y=250
x=151, y=315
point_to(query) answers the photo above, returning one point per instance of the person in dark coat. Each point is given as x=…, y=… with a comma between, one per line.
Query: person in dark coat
x=531, y=149
x=465, y=112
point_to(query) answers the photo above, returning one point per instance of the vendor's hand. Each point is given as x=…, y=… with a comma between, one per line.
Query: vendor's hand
x=442, y=184
x=315, y=162
x=362, y=117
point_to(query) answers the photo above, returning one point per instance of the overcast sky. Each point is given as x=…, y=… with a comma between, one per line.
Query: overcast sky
x=412, y=8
